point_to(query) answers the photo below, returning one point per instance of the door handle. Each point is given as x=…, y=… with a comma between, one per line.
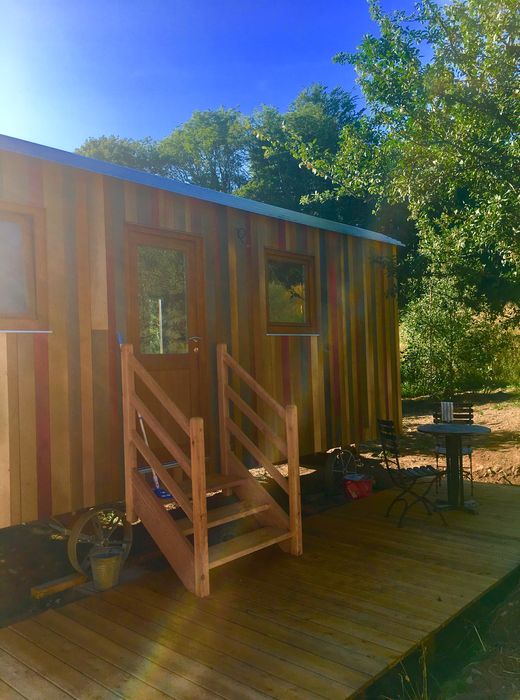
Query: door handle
x=195, y=338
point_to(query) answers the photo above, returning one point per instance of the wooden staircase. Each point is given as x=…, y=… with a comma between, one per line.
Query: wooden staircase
x=183, y=539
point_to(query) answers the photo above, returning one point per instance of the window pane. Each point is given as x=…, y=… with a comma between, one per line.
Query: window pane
x=286, y=292
x=163, y=321
x=16, y=271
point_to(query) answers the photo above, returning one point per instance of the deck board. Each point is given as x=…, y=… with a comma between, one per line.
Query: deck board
x=325, y=625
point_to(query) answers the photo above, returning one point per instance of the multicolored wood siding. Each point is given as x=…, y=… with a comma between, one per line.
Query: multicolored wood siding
x=60, y=414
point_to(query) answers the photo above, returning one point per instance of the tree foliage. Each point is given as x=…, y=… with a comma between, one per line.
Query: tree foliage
x=440, y=136
x=447, y=348
x=133, y=153
x=210, y=149
x=275, y=176
x=279, y=175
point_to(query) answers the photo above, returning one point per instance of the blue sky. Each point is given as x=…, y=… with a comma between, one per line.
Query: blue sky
x=70, y=69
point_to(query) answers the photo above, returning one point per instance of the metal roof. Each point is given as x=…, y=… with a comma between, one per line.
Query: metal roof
x=74, y=160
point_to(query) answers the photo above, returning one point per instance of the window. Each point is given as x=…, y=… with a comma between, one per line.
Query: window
x=290, y=290
x=162, y=300
x=22, y=269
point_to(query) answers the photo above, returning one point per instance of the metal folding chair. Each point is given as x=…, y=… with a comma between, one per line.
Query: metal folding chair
x=414, y=483
x=460, y=413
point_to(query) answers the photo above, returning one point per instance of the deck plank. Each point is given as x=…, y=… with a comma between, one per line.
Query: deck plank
x=146, y=679
x=7, y=692
x=37, y=674
x=95, y=677
x=324, y=625
x=273, y=655
x=209, y=679
x=114, y=606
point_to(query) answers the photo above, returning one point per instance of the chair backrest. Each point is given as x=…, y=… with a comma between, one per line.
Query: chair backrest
x=462, y=413
x=389, y=443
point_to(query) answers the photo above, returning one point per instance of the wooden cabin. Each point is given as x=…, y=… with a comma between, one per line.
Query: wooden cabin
x=93, y=255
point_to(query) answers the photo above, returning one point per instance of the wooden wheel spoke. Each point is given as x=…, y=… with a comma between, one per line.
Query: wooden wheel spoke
x=86, y=539
x=96, y=528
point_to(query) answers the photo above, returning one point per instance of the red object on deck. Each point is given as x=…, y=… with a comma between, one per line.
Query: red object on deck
x=356, y=486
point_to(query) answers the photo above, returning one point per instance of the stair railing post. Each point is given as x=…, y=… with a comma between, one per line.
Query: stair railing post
x=200, y=514
x=223, y=407
x=293, y=468
x=130, y=451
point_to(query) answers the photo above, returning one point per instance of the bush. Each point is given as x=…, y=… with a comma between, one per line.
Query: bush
x=447, y=347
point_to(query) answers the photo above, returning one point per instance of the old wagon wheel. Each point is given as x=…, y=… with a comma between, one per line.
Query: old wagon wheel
x=98, y=528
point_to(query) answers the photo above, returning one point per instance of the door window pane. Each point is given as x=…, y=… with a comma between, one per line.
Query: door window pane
x=286, y=291
x=17, y=295
x=162, y=300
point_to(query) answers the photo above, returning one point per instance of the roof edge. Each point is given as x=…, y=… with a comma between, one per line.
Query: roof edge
x=75, y=160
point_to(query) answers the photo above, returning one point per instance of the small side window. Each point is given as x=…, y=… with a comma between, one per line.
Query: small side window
x=290, y=290
x=21, y=270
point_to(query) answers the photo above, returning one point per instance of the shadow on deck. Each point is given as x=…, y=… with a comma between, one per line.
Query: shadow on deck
x=364, y=596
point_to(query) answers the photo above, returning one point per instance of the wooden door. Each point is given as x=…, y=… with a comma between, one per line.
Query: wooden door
x=166, y=321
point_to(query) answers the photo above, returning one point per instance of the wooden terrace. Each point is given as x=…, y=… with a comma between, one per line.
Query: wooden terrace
x=363, y=596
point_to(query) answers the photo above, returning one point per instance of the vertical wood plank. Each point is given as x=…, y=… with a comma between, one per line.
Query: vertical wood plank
x=14, y=427
x=397, y=355
x=233, y=295
x=5, y=443
x=318, y=403
x=43, y=427
x=27, y=420
x=108, y=479
x=368, y=271
x=130, y=452
x=85, y=347
x=97, y=254
x=293, y=465
x=71, y=207
x=223, y=408
x=59, y=389
x=200, y=516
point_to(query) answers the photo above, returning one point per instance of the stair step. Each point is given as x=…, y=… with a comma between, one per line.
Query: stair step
x=245, y=544
x=216, y=482
x=224, y=514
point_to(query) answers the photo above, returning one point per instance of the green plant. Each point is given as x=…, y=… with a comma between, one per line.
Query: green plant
x=447, y=346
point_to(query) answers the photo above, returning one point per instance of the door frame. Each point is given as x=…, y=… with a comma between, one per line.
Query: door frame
x=133, y=232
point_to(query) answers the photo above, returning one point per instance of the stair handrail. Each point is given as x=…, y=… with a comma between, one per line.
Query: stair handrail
x=193, y=466
x=288, y=445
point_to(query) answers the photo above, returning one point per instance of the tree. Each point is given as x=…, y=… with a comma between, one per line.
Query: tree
x=441, y=136
x=209, y=150
x=277, y=176
x=133, y=153
x=447, y=348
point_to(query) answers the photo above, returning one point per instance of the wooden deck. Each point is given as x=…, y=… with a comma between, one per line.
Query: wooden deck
x=324, y=625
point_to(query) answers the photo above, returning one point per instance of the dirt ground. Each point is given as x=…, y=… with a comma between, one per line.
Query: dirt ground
x=496, y=458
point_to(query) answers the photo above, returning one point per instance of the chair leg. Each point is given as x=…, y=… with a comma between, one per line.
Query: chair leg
x=415, y=498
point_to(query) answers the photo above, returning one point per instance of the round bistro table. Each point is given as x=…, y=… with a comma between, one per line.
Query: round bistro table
x=453, y=433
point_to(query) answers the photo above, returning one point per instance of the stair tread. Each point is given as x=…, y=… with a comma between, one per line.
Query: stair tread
x=216, y=482
x=245, y=544
x=224, y=514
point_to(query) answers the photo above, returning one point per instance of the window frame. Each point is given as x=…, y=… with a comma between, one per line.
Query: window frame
x=192, y=245
x=32, y=222
x=310, y=326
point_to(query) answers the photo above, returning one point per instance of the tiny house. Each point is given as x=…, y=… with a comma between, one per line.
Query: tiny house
x=93, y=255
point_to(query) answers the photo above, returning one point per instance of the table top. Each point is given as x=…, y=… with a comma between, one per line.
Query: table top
x=453, y=429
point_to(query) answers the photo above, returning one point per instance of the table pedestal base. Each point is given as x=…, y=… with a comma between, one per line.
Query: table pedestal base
x=471, y=506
